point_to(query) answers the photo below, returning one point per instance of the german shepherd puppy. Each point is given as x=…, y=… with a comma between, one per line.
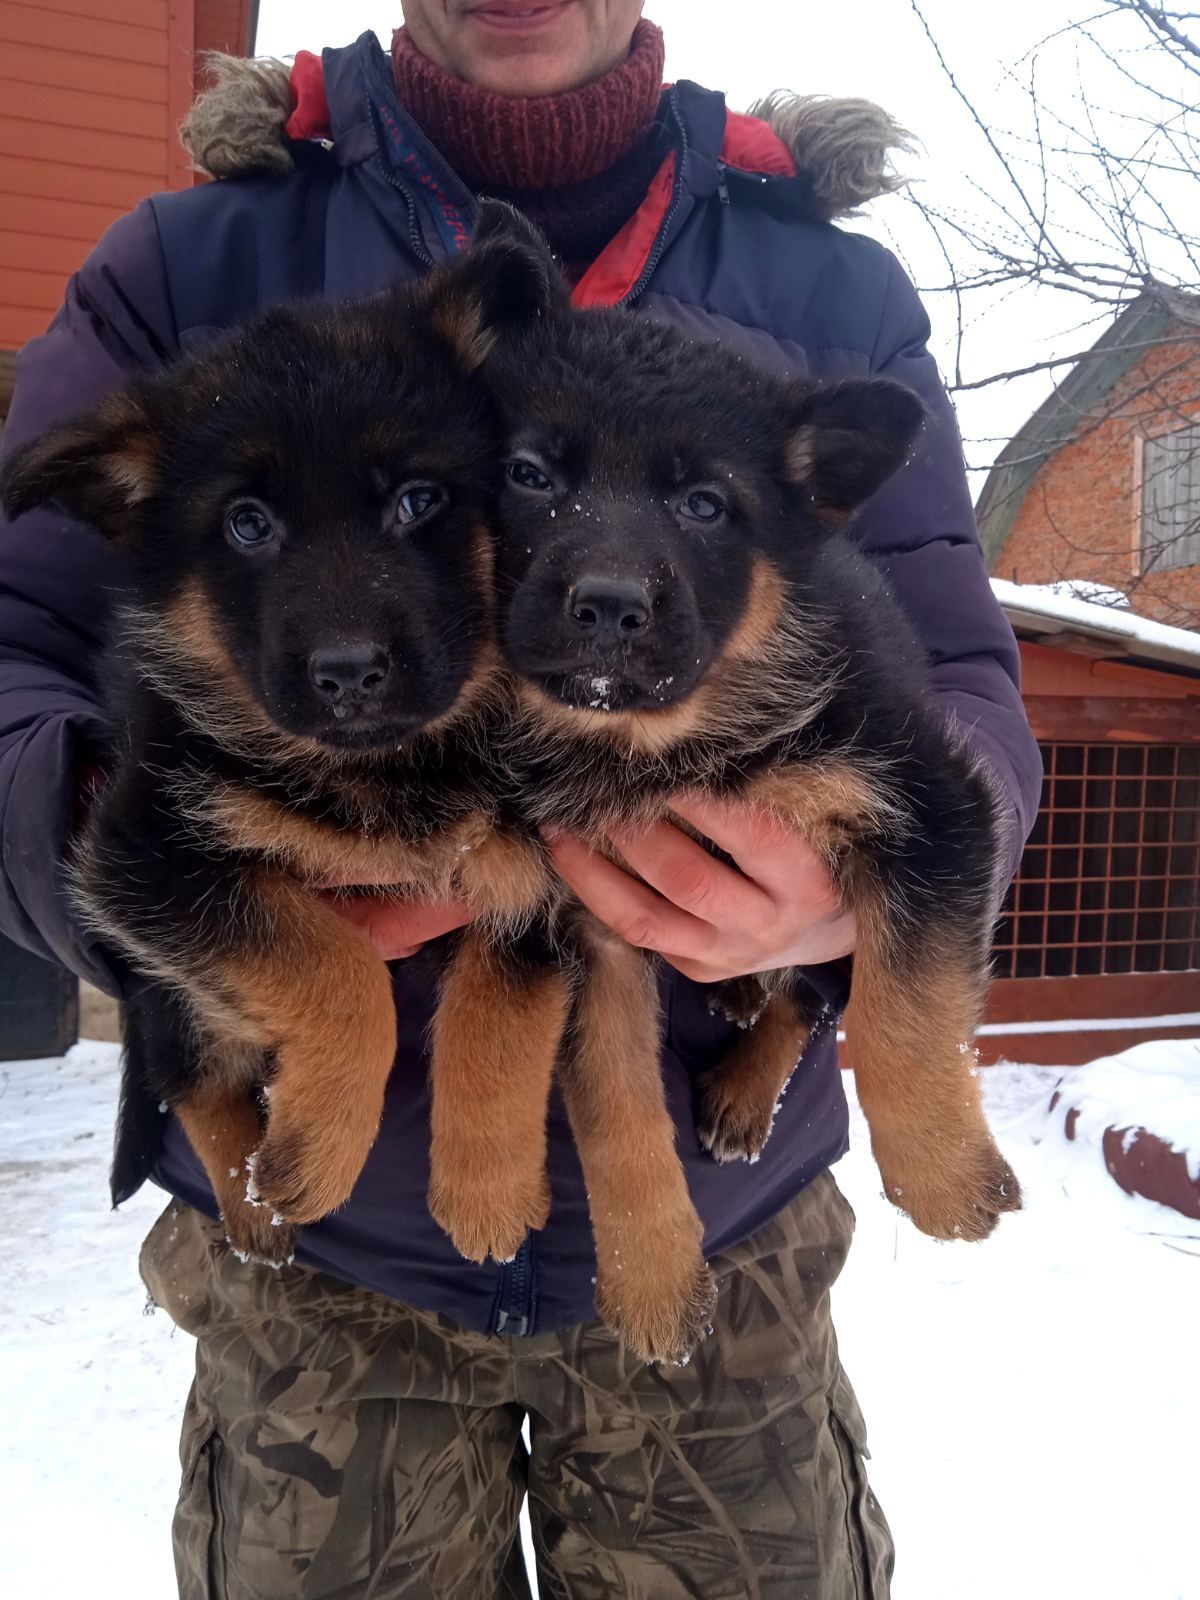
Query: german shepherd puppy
x=300, y=677
x=684, y=608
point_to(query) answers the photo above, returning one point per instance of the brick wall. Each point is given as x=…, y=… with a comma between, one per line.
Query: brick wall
x=1080, y=517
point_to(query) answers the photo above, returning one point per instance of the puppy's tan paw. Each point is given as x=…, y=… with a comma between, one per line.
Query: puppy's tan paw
x=660, y=1315
x=258, y=1234
x=731, y=1124
x=485, y=1220
x=962, y=1195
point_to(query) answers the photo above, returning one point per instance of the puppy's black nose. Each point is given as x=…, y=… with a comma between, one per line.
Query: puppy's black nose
x=609, y=608
x=354, y=671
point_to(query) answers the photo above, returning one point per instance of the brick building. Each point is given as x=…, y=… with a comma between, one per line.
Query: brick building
x=1103, y=481
x=91, y=95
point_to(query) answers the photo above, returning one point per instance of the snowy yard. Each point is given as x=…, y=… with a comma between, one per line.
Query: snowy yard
x=1033, y=1403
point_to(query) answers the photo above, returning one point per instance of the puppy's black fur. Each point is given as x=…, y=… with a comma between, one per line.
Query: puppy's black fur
x=301, y=676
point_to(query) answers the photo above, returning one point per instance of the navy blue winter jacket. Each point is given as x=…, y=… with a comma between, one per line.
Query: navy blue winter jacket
x=717, y=250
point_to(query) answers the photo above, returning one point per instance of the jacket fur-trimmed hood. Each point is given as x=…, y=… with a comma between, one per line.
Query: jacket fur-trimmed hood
x=844, y=147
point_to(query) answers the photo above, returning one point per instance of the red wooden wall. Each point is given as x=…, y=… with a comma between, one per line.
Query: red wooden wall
x=1133, y=719
x=91, y=93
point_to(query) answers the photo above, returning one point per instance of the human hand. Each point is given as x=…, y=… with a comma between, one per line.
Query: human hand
x=778, y=907
x=396, y=928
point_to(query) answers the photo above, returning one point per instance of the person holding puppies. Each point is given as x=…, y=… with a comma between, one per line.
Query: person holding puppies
x=355, y=1424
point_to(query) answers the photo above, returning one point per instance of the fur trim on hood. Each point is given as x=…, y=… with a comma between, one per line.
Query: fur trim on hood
x=843, y=146
x=236, y=124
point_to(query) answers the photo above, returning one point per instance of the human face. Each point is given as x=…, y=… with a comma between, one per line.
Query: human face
x=523, y=47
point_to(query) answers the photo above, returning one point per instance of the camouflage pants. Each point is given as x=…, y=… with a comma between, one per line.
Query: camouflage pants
x=339, y=1446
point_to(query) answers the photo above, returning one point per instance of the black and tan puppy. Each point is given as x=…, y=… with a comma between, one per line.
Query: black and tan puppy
x=684, y=609
x=300, y=675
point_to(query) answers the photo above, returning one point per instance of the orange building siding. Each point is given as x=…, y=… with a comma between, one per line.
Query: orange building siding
x=224, y=25
x=91, y=95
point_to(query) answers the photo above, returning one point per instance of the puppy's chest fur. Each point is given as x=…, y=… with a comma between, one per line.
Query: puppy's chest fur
x=403, y=818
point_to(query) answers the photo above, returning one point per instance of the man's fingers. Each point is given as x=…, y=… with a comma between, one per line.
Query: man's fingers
x=398, y=928
x=637, y=913
x=767, y=850
x=690, y=877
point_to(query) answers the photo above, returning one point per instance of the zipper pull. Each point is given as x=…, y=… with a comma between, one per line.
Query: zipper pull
x=722, y=186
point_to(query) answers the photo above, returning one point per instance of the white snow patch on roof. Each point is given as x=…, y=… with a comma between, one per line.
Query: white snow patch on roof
x=1098, y=594
x=1044, y=600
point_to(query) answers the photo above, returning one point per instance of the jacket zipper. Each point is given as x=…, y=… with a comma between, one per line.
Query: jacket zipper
x=514, y=1303
x=660, y=243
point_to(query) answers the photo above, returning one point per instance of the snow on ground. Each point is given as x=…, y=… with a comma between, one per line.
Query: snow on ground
x=1033, y=1402
x=1153, y=1086
x=92, y=1388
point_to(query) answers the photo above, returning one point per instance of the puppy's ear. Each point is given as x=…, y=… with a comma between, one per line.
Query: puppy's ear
x=848, y=438
x=506, y=278
x=100, y=468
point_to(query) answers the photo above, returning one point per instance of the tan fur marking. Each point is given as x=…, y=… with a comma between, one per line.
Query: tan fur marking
x=799, y=457
x=504, y=876
x=321, y=997
x=761, y=614
x=652, y=1286
x=827, y=802
x=738, y=1097
x=495, y=1039
x=134, y=468
x=321, y=853
x=459, y=320
x=909, y=1039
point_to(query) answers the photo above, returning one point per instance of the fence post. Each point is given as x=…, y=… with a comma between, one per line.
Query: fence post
x=39, y=1005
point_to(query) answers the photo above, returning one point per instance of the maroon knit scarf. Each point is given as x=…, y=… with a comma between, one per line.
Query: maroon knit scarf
x=549, y=141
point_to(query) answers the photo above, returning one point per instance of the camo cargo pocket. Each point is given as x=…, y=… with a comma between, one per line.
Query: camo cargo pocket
x=199, y=1530
x=868, y=1538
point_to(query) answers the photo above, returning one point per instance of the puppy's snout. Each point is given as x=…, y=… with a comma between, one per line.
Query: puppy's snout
x=609, y=609
x=352, y=671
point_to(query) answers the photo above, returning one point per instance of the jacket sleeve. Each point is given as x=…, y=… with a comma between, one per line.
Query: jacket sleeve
x=56, y=582
x=920, y=528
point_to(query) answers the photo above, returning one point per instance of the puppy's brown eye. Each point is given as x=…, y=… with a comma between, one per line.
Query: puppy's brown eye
x=526, y=476
x=249, y=525
x=418, y=501
x=703, y=507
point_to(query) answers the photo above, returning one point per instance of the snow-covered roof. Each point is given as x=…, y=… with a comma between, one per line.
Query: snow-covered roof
x=1037, y=611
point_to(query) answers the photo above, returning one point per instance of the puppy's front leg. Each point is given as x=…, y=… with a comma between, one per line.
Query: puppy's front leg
x=224, y=1129
x=496, y=1036
x=652, y=1286
x=315, y=991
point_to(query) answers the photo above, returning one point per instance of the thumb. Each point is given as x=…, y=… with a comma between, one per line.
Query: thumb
x=398, y=928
